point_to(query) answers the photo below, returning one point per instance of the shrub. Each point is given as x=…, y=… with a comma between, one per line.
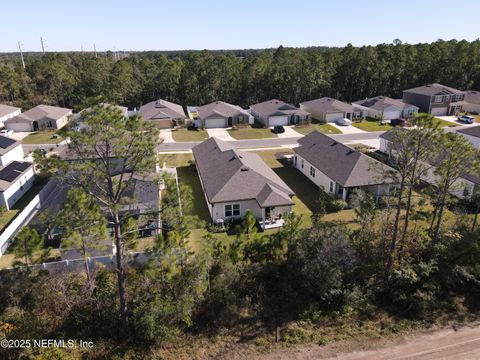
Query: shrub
x=337, y=205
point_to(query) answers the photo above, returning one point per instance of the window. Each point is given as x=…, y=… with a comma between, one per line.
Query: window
x=312, y=171
x=302, y=163
x=331, y=186
x=438, y=99
x=232, y=210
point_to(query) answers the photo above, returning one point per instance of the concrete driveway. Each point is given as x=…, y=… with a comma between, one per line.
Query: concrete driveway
x=20, y=135
x=348, y=129
x=220, y=133
x=166, y=135
x=453, y=119
x=289, y=132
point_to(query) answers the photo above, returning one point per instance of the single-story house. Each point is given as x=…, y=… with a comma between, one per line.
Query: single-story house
x=472, y=134
x=15, y=180
x=463, y=188
x=41, y=117
x=220, y=114
x=436, y=99
x=339, y=169
x=327, y=109
x=10, y=150
x=164, y=114
x=472, y=101
x=385, y=108
x=236, y=181
x=79, y=118
x=7, y=112
x=275, y=112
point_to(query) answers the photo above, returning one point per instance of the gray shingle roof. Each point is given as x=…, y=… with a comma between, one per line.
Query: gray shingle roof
x=434, y=89
x=6, y=109
x=220, y=109
x=42, y=111
x=471, y=130
x=228, y=174
x=327, y=104
x=341, y=163
x=161, y=109
x=472, y=97
x=276, y=107
x=381, y=103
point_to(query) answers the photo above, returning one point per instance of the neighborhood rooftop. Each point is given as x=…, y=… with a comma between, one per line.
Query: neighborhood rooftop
x=44, y=111
x=341, y=163
x=435, y=89
x=220, y=108
x=7, y=109
x=6, y=144
x=276, y=107
x=382, y=102
x=471, y=130
x=12, y=172
x=161, y=109
x=228, y=174
x=327, y=104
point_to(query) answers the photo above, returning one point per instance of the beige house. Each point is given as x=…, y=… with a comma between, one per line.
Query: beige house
x=220, y=114
x=41, y=117
x=164, y=114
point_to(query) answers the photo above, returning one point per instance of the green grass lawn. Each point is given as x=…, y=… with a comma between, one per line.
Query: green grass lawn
x=174, y=160
x=444, y=123
x=251, y=132
x=371, y=125
x=42, y=137
x=323, y=128
x=6, y=217
x=189, y=135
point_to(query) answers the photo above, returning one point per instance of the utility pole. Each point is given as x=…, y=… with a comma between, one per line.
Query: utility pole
x=21, y=54
x=95, y=50
x=81, y=47
x=43, y=47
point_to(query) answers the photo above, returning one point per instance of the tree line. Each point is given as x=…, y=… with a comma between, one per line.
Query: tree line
x=198, y=77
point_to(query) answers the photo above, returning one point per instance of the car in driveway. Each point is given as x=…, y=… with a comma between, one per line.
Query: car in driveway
x=344, y=122
x=279, y=129
x=6, y=132
x=398, y=122
x=466, y=119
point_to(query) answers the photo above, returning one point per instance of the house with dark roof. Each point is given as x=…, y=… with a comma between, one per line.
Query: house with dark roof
x=385, y=108
x=235, y=181
x=464, y=187
x=472, y=101
x=338, y=169
x=327, y=109
x=10, y=150
x=41, y=117
x=472, y=134
x=220, y=114
x=7, y=112
x=80, y=118
x=436, y=99
x=276, y=112
x=164, y=114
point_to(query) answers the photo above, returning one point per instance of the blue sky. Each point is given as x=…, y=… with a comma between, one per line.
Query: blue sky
x=202, y=24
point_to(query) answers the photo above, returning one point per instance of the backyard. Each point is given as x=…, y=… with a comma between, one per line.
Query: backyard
x=251, y=132
x=320, y=127
x=42, y=137
x=189, y=135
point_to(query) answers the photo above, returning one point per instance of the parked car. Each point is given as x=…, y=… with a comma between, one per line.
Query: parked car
x=6, y=132
x=466, y=119
x=344, y=122
x=398, y=122
x=279, y=129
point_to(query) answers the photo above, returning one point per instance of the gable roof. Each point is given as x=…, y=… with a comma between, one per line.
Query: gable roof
x=161, y=109
x=220, y=109
x=7, y=109
x=471, y=130
x=472, y=97
x=381, y=103
x=7, y=144
x=41, y=112
x=327, y=104
x=276, y=107
x=228, y=174
x=434, y=89
x=341, y=163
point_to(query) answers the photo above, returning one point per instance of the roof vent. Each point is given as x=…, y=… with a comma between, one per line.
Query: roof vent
x=350, y=152
x=244, y=169
x=233, y=158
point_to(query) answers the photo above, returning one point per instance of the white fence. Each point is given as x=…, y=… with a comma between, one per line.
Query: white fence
x=24, y=216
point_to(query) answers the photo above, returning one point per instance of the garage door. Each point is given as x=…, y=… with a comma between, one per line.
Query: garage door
x=163, y=124
x=439, y=111
x=332, y=117
x=18, y=126
x=278, y=120
x=215, y=123
x=390, y=115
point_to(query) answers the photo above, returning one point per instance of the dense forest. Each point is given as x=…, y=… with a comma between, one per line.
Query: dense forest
x=240, y=77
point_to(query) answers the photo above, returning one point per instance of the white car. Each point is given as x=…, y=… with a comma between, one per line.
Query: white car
x=6, y=132
x=344, y=122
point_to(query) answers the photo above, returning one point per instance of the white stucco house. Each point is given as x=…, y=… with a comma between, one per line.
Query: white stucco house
x=41, y=117
x=338, y=169
x=236, y=181
x=8, y=112
x=385, y=108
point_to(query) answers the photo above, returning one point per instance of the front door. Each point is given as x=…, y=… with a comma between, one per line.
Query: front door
x=268, y=212
x=229, y=122
x=35, y=126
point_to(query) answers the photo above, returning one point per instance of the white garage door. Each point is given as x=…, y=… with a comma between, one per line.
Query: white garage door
x=439, y=111
x=390, y=115
x=215, y=123
x=332, y=117
x=18, y=126
x=278, y=120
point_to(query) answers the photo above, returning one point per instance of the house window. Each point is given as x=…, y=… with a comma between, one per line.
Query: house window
x=438, y=99
x=312, y=171
x=232, y=210
x=332, y=185
x=302, y=163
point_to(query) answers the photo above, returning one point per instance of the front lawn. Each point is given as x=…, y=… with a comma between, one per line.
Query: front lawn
x=445, y=123
x=42, y=137
x=371, y=125
x=320, y=127
x=174, y=160
x=189, y=135
x=251, y=132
